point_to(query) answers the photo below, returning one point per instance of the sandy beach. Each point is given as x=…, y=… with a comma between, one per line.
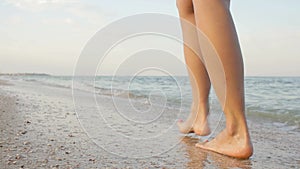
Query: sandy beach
x=39, y=129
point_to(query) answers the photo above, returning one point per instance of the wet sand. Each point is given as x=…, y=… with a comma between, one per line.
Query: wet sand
x=39, y=129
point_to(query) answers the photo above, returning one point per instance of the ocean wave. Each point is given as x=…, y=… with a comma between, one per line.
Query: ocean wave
x=291, y=118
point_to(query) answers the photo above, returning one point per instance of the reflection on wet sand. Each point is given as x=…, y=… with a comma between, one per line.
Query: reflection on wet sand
x=199, y=158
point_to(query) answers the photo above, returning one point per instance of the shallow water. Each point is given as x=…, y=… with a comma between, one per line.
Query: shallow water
x=273, y=98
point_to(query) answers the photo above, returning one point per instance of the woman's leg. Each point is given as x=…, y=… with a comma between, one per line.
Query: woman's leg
x=197, y=120
x=213, y=18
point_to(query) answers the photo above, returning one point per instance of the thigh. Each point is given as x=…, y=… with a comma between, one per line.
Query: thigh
x=185, y=6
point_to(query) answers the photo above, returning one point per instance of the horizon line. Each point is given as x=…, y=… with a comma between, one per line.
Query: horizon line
x=48, y=74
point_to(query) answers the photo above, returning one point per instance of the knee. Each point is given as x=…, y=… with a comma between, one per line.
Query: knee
x=207, y=3
x=185, y=7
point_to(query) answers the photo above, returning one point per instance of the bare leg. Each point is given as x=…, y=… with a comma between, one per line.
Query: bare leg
x=197, y=120
x=213, y=18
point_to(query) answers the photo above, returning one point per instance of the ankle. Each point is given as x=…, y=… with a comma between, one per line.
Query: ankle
x=237, y=127
x=202, y=114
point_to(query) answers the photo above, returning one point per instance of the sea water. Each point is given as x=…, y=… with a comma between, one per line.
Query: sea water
x=276, y=99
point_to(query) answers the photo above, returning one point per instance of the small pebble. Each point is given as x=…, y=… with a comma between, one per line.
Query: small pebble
x=27, y=121
x=18, y=156
x=56, y=165
x=26, y=143
x=23, y=132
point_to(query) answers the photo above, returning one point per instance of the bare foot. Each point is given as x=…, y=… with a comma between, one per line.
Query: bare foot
x=195, y=124
x=199, y=128
x=235, y=145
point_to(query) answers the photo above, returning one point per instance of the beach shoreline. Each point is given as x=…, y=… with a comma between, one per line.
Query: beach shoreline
x=40, y=129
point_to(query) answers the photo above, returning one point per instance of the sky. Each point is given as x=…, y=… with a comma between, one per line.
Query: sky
x=47, y=36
